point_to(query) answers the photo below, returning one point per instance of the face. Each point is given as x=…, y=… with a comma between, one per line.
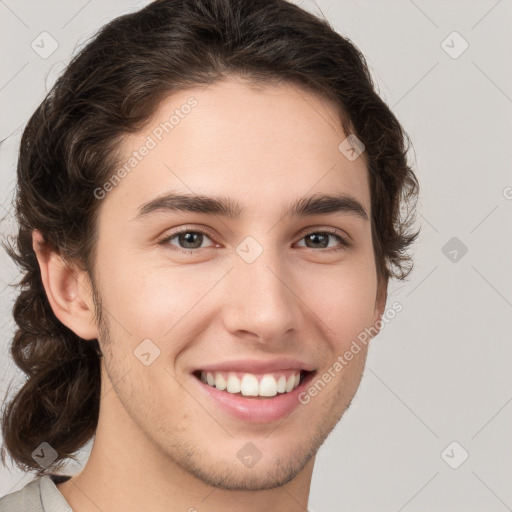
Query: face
x=257, y=296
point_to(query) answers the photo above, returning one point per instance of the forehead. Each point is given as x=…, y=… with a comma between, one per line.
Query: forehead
x=274, y=142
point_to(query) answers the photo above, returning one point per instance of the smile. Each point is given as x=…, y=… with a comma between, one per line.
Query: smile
x=254, y=397
x=249, y=384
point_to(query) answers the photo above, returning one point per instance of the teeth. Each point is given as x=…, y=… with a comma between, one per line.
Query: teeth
x=290, y=383
x=220, y=382
x=281, y=384
x=268, y=386
x=249, y=385
x=234, y=384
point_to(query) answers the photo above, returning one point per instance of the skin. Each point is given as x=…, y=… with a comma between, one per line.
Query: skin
x=160, y=445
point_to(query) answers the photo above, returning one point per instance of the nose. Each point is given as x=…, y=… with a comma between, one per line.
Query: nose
x=263, y=303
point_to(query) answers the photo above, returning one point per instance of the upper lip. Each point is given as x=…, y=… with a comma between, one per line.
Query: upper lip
x=258, y=366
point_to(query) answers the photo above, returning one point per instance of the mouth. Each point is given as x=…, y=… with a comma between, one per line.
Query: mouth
x=255, y=385
x=254, y=391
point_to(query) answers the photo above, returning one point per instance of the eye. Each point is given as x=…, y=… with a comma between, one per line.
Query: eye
x=320, y=240
x=188, y=240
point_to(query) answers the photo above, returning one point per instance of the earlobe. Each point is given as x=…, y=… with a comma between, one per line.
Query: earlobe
x=67, y=290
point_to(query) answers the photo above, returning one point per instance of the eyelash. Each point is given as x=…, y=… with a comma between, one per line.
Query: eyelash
x=343, y=241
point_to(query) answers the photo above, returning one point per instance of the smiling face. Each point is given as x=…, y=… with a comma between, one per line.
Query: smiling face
x=260, y=282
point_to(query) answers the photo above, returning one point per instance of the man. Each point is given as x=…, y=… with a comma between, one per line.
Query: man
x=209, y=207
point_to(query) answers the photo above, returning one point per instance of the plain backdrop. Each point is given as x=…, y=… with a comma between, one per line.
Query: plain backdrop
x=429, y=428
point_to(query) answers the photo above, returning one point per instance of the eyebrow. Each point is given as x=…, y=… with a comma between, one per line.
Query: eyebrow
x=318, y=204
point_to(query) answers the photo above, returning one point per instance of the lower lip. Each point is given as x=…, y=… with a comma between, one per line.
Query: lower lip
x=256, y=410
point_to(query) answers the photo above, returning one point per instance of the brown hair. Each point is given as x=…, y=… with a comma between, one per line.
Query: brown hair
x=112, y=87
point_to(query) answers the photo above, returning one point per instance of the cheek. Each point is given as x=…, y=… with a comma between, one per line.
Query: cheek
x=140, y=300
x=155, y=301
x=344, y=301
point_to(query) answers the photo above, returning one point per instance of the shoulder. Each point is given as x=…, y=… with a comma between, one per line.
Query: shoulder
x=26, y=499
x=40, y=495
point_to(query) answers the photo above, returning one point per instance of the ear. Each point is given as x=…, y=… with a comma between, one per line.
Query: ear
x=380, y=304
x=68, y=290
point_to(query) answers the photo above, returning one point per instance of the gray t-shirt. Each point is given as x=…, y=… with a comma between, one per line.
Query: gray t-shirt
x=40, y=495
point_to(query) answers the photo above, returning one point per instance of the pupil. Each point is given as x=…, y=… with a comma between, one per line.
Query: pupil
x=188, y=238
x=315, y=236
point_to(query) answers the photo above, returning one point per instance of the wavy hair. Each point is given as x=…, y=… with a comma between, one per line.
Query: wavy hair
x=69, y=148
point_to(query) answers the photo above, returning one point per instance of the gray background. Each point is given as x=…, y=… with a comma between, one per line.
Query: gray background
x=440, y=371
